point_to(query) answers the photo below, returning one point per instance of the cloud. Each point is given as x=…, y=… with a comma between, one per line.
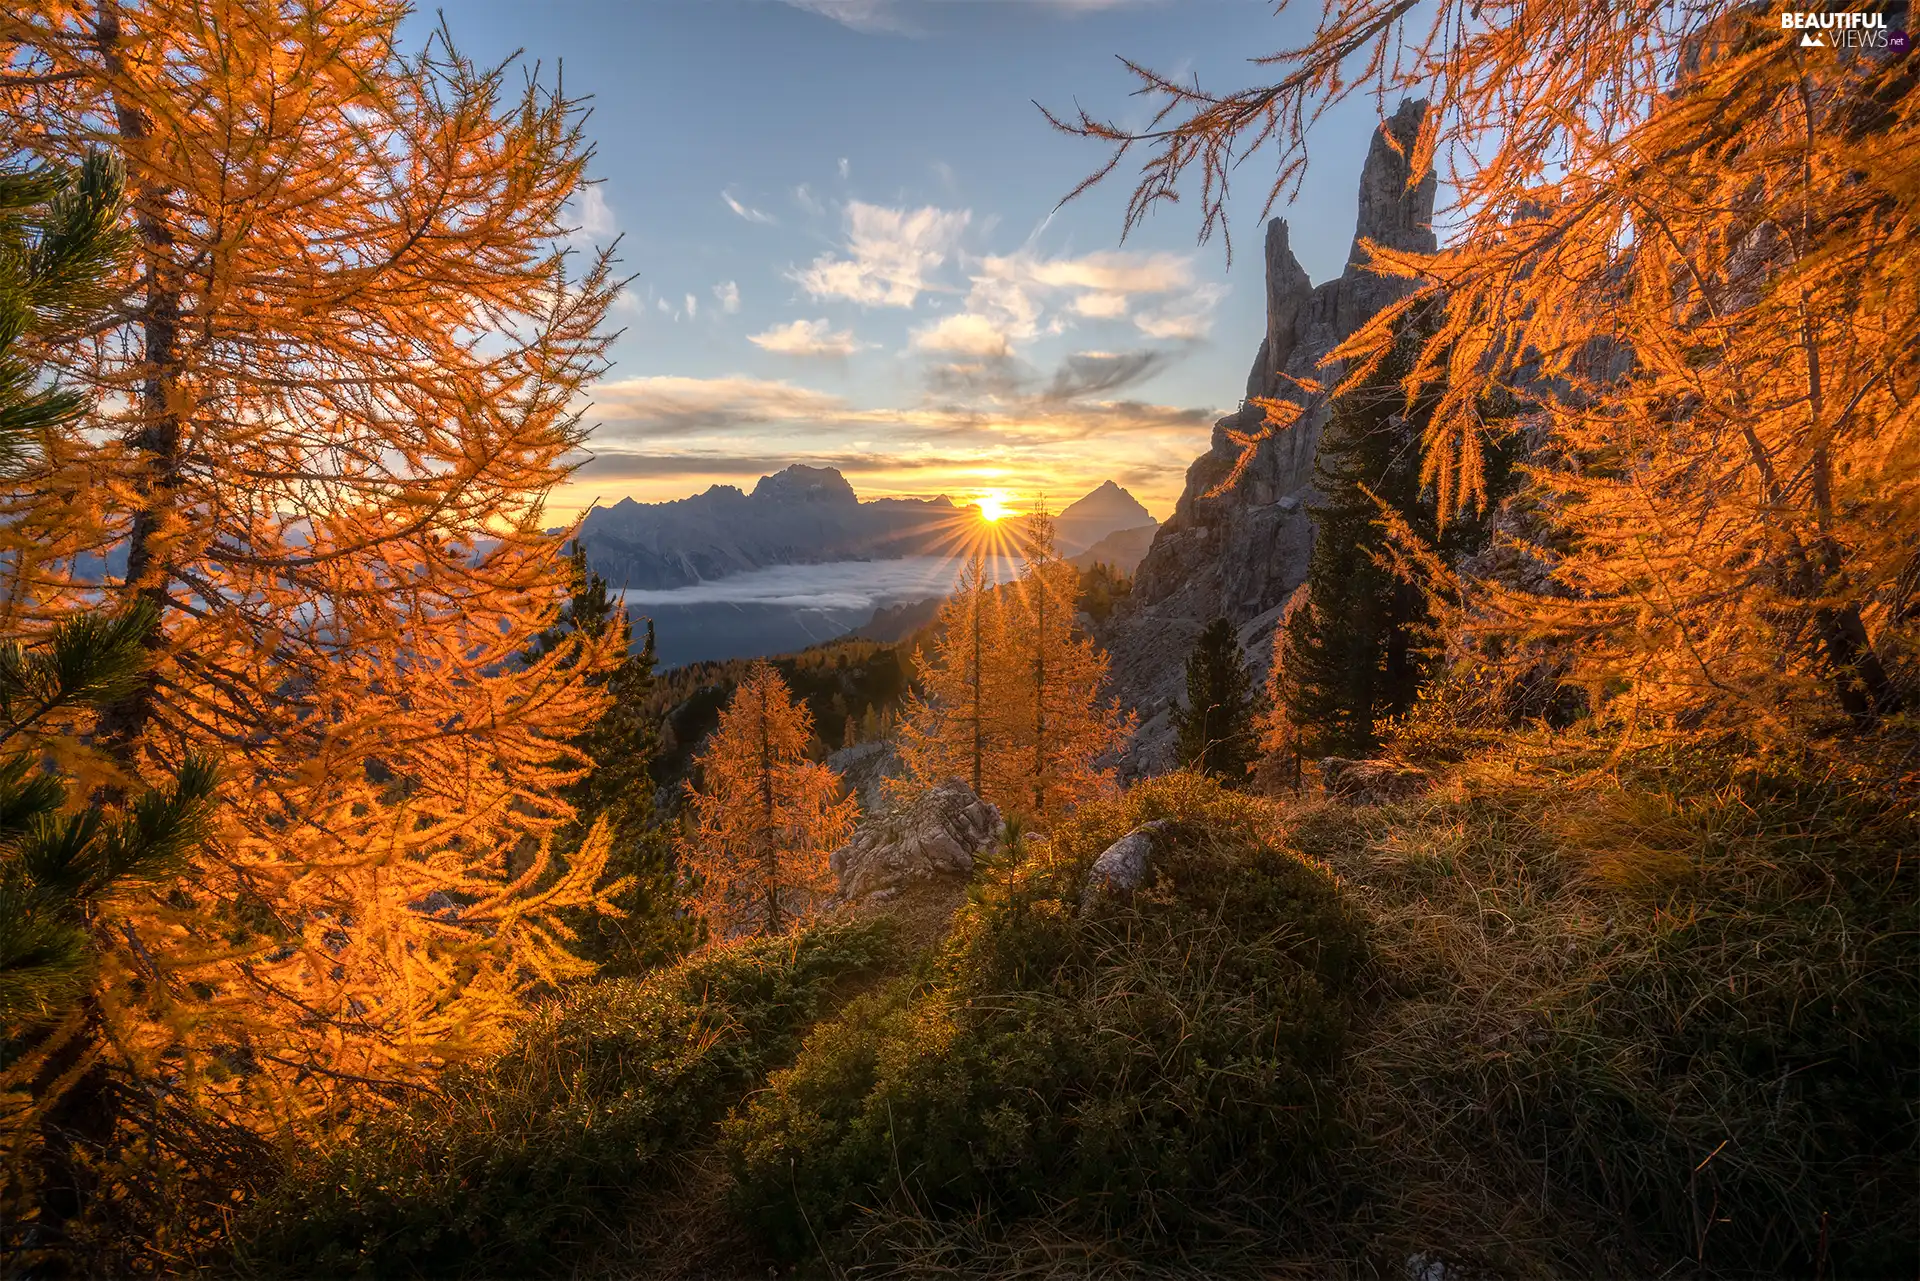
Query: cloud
x=1016, y=292
x=1111, y=271
x=746, y=211
x=672, y=405
x=890, y=253
x=693, y=305
x=597, y=223
x=677, y=407
x=966, y=333
x=728, y=295
x=1187, y=319
x=872, y=17
x=1010, y=381
x=845, y=168
x=1093, y=373
x=808, y=338
x=804, y=197
x=1100, y=306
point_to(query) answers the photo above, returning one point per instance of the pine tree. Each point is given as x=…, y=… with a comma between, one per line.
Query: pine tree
x=1215, y=727
x=1355, y=652
x=339, y=383
x=1351, y=652
x=764, y=816
x=1691, y=252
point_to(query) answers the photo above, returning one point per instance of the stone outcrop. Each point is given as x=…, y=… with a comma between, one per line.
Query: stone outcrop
x=1123, y=866
x=934, y=839
x=867, y=768
x=1241, y=553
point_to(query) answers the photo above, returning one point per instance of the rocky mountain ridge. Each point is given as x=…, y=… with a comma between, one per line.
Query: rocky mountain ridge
x=1241, y=552
x=802, y=516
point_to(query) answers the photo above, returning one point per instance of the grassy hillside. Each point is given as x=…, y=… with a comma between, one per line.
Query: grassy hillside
x=1561, y=1014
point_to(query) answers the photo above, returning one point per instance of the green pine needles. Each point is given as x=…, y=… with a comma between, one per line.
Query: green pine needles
x=1216, y=725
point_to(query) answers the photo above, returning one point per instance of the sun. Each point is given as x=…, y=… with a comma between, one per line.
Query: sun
x=993, y=506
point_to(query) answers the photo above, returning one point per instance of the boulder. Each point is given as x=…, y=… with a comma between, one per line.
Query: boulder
x=1123, y=866
x=1371, y=782
x=933, y=839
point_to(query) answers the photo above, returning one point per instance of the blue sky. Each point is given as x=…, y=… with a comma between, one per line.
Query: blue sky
x=840, y=217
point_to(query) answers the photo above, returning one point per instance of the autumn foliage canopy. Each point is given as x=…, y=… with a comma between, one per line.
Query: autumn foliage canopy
x=339, y=379
x=1687, y=245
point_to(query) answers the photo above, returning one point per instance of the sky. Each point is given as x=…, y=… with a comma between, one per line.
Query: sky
x=841, y=219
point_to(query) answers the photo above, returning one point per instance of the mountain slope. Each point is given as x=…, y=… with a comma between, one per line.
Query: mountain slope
x=1241, y=553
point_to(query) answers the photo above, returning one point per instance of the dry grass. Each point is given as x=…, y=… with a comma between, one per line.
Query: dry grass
x=1620, y=1012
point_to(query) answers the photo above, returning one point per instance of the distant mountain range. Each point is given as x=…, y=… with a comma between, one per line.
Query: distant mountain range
x=804, y=516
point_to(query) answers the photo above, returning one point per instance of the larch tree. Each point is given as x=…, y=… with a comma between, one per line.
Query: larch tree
x=343, y=373
x=1056, y=726
x=1687, y=244
x=954, y=730
x=66, y=862
x=764, y=816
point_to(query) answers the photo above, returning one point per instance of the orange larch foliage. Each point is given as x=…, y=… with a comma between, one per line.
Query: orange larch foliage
x=1013, y=695
x=764, y=816
x=1688, y=244
x=341, y=381
x=1057, y=726
x=953, y=730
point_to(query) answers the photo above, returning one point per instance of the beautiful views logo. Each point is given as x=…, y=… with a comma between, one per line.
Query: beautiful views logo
x=1850, y=30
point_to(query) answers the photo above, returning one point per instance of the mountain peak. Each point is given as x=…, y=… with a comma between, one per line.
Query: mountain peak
x=1107, y=510
x=801, y=483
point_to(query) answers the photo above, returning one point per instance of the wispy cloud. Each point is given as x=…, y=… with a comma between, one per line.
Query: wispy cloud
x=1186, y=318
x=597, y=224
x=965, y=333
x=671, y=407
x=845, y=168
x=804, y=197
x=728, y=295
x=746, y=211
x=890, y=254
x=875, y=17
x=808, y=338
x=896, y=17
x=693, y=306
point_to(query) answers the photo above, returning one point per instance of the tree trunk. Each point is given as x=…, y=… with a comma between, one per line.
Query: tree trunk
x=157, y=442
x=772, y=854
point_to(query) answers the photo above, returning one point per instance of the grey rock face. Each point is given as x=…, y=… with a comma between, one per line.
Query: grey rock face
x=866, y=768
x=935, y=838
x=1241, y=552
x=1123, y=866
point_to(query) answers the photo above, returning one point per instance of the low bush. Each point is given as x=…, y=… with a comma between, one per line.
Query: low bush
x=1151, y=1070
x=513, y=1168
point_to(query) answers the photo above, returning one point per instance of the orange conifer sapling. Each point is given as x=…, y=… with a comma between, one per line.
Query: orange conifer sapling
x=764, y=816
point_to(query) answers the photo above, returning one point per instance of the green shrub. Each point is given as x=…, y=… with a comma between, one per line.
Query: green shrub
x=1144, y=1070
x=505, y=1170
